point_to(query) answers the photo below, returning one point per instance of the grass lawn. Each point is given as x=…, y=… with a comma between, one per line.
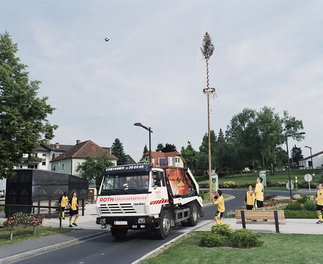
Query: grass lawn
x=250, y=178
x=277, y=248
x=27, y=233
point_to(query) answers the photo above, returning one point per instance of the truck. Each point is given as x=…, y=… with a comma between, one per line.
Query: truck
x=142, y=197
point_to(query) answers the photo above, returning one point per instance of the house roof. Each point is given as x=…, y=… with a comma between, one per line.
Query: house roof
x=314, y=155
x=85, y=149
x=156, y=155
x=53, y=147
x=130, y=160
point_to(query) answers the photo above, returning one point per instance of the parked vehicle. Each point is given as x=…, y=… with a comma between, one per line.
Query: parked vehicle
x=143, y=197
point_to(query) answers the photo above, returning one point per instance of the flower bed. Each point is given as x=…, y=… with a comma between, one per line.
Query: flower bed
x=21, y=220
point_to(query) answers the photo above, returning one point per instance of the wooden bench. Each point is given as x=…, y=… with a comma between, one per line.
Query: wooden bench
x=260, y=217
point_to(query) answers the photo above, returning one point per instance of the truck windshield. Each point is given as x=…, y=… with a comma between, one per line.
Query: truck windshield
x=124, y=184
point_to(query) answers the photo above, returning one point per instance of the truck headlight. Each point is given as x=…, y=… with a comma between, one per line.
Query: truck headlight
x=141, y=220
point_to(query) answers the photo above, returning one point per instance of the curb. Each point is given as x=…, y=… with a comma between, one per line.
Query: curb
x=166, y=245
x=46, y=249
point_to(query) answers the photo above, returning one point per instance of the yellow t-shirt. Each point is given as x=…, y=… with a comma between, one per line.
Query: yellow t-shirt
x=250, y=198
x=220, y=202
x=259, y=191
x=319, y=194
x=64, y=201
x=74, y=203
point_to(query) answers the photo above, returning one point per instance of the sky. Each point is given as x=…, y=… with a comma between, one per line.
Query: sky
x=267, y=53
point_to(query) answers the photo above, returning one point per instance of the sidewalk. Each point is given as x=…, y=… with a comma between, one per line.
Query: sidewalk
x=291, y=226
x=24, y=249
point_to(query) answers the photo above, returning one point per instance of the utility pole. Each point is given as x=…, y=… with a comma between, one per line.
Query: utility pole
x=207, y=51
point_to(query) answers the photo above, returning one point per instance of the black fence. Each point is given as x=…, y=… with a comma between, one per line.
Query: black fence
x=50, y=211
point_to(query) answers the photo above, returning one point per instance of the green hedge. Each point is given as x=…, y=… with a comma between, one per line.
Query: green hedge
x=300, y=214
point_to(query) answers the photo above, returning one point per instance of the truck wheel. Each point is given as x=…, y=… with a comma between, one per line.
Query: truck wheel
x=119, y=233
x=194, y=215
x=164, y=225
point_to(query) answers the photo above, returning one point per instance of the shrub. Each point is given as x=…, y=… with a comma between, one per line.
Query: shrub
x=244, y=238
x=305, y=185
x=294, y=206
x=303, y=198
x=212, y=240
x=223, y=230
x=310, y=205
x=229, y=184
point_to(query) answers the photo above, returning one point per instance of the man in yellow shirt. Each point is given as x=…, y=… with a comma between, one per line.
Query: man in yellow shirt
x=74, y=209
x=219, y=201
x=63, y=202
x=250, y=198
x=319, y=203
x=259, y=193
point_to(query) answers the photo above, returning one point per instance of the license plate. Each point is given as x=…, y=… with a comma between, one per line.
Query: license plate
x=120, y=223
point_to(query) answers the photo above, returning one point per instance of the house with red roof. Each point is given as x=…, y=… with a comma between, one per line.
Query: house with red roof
x=162, y=159
x=68, y=161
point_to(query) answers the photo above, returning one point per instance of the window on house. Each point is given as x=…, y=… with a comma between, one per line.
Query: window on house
x=63, y=166
x=43, y=163
x=54, y=168
x=162, y=161
x=44, y=155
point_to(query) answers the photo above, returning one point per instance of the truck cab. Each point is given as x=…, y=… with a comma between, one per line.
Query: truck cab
x=139, y=196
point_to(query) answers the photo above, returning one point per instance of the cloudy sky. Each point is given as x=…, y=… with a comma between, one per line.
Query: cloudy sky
x=267, y=53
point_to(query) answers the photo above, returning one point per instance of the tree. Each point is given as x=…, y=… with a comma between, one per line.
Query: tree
x=296, y=154
x=224, y=154
x=92, y=169
x=160, y=147
x=189, y=155
x=23, y=116
x=202, y=156
x=145, y=150
x=117, y=150
x=169, y=148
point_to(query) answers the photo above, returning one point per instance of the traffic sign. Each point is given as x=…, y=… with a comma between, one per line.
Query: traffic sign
x=308, y=177
x=290, y=186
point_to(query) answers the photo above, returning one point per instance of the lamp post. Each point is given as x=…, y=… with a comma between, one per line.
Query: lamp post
x=311, y=156
x=149, y=132
x=288, y=166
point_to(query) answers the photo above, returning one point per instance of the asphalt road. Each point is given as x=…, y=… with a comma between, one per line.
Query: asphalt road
x=104, y=249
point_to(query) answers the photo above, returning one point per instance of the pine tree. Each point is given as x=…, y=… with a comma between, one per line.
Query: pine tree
x=117, y=150
x=145, y=150
x=23, y=116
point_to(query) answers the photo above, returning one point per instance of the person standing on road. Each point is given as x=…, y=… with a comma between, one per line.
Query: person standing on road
x=319, y=203
x=63, y=202
x=259, y=193
x=250, y=198
x=218, y=200
x=74, y=209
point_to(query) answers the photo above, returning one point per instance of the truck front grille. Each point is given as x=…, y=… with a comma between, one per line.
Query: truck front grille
x=122, y=208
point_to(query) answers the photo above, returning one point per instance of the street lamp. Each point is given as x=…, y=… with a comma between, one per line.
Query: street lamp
x=288, y=166
x=311, y=156
x=149, y=132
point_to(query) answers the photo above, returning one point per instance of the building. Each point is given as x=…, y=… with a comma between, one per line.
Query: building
x=45, y=153
x=317, y=159
x=161, y=159
x=68, y=161
x=130, y=160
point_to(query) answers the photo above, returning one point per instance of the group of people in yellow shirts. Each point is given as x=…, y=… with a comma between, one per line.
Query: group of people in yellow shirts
x=254, y=199
x=73, y=205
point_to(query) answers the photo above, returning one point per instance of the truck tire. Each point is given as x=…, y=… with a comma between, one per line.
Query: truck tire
x=164, y=225
x=119, y=233
x=194, y=215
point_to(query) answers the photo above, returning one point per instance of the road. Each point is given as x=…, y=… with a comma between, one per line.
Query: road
x=104, y=249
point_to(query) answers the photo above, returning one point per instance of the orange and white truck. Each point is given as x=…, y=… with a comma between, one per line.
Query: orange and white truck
x=142, y=197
